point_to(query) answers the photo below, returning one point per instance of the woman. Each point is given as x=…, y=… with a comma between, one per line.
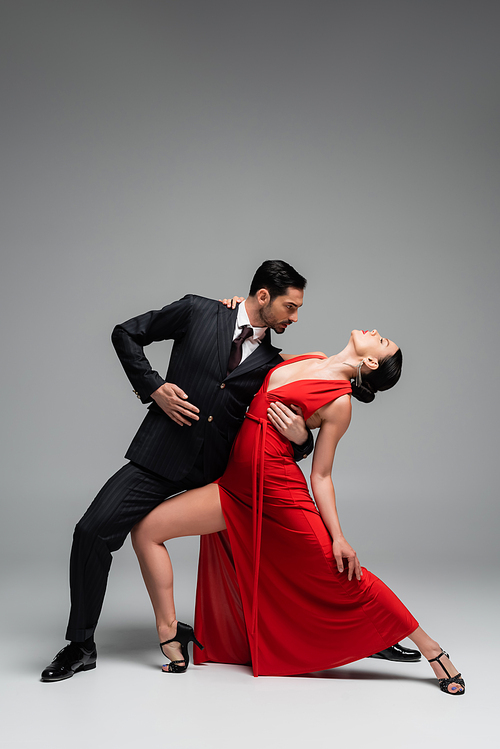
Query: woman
x=288, y=604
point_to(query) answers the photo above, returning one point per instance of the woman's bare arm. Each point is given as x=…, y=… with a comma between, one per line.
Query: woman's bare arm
x=335, y=418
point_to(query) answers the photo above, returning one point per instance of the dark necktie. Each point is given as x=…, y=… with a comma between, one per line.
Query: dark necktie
x=235, y=355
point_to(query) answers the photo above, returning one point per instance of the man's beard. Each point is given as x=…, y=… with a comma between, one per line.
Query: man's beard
x=270, y=321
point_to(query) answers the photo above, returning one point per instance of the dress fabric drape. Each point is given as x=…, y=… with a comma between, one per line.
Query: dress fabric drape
x=269, y=593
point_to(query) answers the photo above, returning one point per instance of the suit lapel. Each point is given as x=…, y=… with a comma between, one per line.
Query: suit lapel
x=263, y=354
x=226, y=320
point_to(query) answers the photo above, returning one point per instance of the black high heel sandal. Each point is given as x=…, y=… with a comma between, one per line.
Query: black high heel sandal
x=184, y=635
x=445, y=683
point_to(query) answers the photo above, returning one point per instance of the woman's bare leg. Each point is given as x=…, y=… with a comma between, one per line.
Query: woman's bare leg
x=193, y=513
x=431, y=649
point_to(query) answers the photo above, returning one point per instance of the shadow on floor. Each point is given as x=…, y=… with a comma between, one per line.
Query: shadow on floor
x=138, y=644
x=357, y=674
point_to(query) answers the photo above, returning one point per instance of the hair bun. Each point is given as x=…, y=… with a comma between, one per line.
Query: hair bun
x=384, y=377
x=362, y=392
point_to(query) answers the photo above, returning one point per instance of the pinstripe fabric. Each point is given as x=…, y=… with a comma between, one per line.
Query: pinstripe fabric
x=202, y=330
x=179, y=457
x=122, y=502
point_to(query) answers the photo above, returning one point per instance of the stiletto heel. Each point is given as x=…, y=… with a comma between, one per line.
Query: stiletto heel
x=445, y=683
x=184, y=635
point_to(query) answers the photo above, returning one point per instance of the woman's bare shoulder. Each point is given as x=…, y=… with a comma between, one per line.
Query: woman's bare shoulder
x=342, y=404
x=337, y=412
x=286, y=357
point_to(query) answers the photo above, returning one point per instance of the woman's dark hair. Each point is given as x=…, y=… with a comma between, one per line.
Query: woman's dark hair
x=384, y=377
x=276, y=276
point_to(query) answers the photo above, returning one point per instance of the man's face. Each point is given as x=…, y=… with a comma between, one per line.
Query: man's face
x=282, y=311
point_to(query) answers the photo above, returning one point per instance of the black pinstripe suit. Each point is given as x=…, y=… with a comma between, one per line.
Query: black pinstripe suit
x=166, y=458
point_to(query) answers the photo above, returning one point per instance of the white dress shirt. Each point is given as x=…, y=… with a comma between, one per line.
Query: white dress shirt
x=258, y=333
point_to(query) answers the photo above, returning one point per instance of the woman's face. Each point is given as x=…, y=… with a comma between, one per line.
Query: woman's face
x=370, y=344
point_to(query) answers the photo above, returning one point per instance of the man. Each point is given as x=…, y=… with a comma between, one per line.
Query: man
x=219, y=360
x=186, y=437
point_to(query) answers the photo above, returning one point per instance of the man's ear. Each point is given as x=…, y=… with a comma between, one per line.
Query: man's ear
x=263, y=297
x=371, y=362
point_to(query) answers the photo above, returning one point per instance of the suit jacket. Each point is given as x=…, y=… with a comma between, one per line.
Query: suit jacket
x=202, y=330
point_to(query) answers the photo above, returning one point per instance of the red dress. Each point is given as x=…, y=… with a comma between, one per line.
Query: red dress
x=269, y=592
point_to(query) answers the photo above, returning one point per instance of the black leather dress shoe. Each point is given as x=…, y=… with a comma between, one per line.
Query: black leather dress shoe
x=70, y=660
x=398, y=653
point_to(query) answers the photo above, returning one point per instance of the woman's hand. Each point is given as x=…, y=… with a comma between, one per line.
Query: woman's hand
x=342, y=550
x=288, y=421
x=231, y=303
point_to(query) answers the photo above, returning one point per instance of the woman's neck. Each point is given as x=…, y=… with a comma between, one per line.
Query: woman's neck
x=343, y=365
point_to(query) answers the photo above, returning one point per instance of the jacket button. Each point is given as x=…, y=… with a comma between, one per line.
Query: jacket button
x=137, y=394
x=222, y=385
x=210, y=418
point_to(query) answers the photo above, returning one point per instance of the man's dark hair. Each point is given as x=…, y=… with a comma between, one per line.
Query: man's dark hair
x=276, y=276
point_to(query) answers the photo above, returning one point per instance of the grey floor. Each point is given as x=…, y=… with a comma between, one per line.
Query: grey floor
x=128, y=702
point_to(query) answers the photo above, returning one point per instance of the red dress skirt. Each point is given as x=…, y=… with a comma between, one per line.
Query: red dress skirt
x=269, y=592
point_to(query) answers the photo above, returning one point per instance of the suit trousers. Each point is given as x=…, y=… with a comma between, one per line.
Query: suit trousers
x=123, y=501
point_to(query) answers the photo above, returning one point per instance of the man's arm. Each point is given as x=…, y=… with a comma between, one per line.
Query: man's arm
x=130, y=337
x=302, y=451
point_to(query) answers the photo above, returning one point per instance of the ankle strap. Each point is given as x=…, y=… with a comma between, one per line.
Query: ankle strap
x=438, y=659
x=434, y=659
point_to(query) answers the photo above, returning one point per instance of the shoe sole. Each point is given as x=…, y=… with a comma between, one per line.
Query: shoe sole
x=88, y=667
x=395, y=660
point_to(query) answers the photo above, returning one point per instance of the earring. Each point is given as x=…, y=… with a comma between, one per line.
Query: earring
x=358, y=373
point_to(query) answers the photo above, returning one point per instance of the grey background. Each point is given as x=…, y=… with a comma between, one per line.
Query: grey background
x=150, y=149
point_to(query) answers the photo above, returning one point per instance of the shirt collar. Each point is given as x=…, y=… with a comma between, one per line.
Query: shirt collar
x=242, y=319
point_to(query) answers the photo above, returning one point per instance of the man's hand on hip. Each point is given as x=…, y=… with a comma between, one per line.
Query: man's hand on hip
x=173, y=400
